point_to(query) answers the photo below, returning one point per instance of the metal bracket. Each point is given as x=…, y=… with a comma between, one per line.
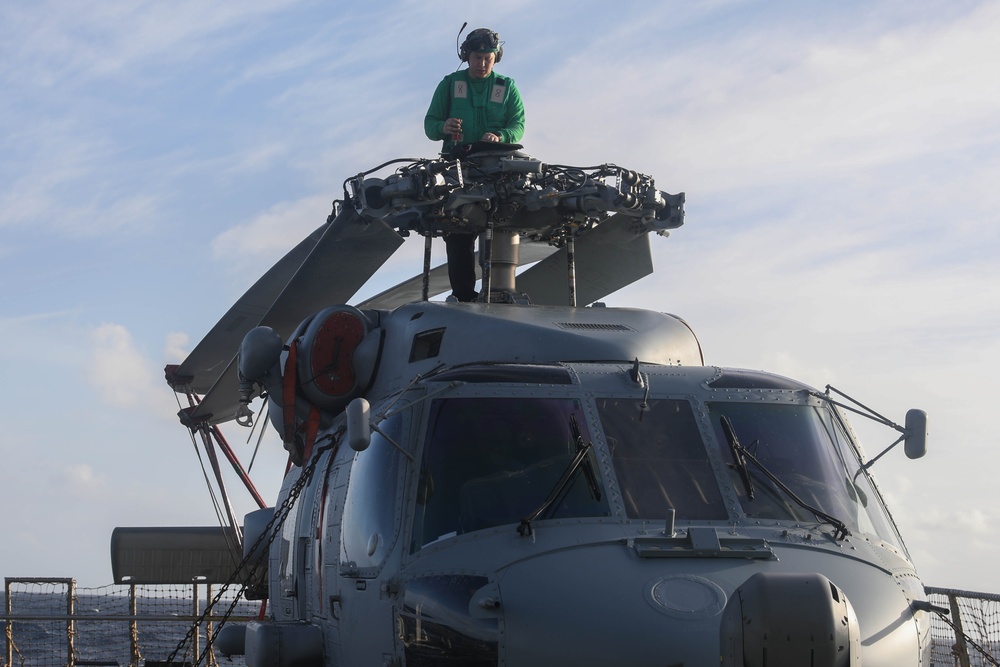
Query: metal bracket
x=701, y=542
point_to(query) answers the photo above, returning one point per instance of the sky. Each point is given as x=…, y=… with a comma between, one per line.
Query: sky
x=839, y=160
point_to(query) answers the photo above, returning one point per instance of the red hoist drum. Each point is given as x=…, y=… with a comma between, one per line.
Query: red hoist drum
x=327, y=375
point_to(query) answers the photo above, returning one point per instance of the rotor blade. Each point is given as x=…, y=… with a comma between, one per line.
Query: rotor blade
x=349, y=253
x=209, y=358
x=222, y=400
x=608, y=258
x=411, y=290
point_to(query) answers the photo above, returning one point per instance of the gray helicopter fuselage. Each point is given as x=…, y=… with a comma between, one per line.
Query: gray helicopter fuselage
x=566, y=493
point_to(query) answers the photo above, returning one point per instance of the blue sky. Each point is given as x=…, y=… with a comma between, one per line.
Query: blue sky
x=840, y=162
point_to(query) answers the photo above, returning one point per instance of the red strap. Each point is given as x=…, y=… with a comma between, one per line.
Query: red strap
x=312, y=428
x=288, y=393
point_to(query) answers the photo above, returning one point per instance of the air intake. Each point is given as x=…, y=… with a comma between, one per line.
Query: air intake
x=592, y=326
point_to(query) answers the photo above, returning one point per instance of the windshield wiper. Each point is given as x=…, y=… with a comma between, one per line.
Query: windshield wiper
x=737, y=449
x=741, y=454
x=581, y=459
x=588, y=468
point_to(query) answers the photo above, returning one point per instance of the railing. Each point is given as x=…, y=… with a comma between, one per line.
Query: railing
x=53, y=622
x=969, y=635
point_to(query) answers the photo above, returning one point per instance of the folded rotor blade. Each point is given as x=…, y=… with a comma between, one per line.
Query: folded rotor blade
x=438, y=283
x=350, y=251
x=222, y=400
x=608, y=258
x=207, y=361
x=411, y=290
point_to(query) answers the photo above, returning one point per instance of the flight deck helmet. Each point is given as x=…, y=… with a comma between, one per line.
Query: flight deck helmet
x=481, y=39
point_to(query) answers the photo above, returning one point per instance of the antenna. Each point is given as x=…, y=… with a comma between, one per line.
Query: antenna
x=458, y=49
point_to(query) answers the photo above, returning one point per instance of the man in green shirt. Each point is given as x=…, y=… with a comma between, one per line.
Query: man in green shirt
x=470, y=105
x=476, y=104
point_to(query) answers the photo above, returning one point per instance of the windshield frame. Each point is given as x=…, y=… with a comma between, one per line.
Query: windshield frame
x=698, y=388
x=640, y=483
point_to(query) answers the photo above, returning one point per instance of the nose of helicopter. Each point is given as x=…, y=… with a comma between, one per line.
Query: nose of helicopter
x=594, y=606
x=611, y=603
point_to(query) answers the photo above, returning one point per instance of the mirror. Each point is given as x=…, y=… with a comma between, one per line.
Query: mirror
x=915, y=434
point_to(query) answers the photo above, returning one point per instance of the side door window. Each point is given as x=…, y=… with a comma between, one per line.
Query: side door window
x=371, y=516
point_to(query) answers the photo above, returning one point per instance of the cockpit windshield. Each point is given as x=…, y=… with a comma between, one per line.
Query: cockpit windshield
x=492, y=462
x=660, y=460
x=805, y=448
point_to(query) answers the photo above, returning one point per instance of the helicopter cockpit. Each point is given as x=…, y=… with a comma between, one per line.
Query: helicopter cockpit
x=501, y=455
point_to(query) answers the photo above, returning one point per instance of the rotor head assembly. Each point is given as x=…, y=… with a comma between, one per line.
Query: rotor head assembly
x=506, y=189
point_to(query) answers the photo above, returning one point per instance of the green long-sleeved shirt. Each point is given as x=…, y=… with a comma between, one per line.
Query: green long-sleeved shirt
x=492, y=105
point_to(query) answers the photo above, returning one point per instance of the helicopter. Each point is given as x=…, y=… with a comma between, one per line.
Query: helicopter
x=535, y=478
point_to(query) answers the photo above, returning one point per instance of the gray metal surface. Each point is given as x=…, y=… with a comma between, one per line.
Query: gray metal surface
x=410, y=290
x=174, y=555
x=607, y=259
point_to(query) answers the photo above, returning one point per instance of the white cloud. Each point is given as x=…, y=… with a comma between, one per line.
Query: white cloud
x=121, y=374
x=84, y=40
x=64, y=175
x=978, y=522
x=176, y=347
x=758, y=107
x=259, y=158
x=264, y=239
x=81, y=479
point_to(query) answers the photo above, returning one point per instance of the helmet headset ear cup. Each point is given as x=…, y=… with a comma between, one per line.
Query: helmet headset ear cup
x=481, y=39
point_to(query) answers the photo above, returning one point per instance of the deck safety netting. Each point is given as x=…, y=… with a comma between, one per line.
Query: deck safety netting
x=969, y=635
x=143, y=625
x=55, y=621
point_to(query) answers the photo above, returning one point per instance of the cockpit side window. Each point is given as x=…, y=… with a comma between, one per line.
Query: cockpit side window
x=660, y=460
x=493, y=461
